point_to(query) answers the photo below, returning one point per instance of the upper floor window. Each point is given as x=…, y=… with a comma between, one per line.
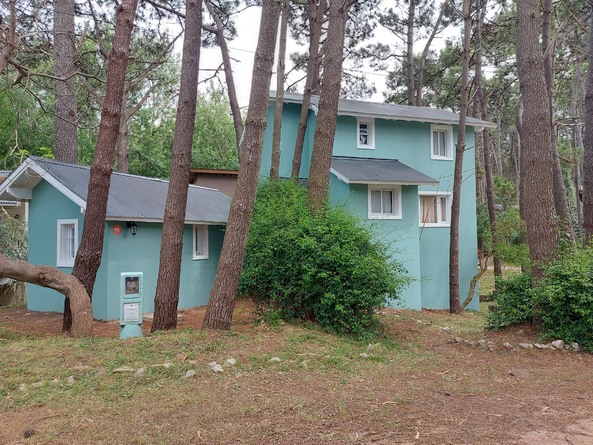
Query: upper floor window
x=435, y=209
x=67, y=242
x=385, y=202
x=441, y=142
x=200, y=242
x=365, y=133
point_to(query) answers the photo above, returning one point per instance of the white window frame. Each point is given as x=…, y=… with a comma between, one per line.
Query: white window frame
x=64, y=254
x=440, y=222
x=200, y=252
x=370, y=122
x=448, y=141
x=396, y=201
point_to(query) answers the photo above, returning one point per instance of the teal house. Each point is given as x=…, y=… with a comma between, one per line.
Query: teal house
x=56, y=193
x=392, y=165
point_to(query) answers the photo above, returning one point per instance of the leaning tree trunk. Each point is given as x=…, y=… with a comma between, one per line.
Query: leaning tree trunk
x=588, y=148
x=67, y=285
x=219, y=312
x=88, y=257
x=325, y=130
x=536, y=158
x=454, y=306
x=66, y=128
x=167, y=287
x=316, y=14
x=279, y=104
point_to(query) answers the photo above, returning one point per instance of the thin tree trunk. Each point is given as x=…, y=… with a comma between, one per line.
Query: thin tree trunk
x=410, y=51
x=66, y=137
x=167, y=288
x=454, y=306
x=123, y=140
x=228, y=74
x=536, y=166
x=316, y=14
x=11, y=40
x=577, y=140
x=88, y=257
x=67, y=285
x=497, y=152
x=279, y=105
x=422, y=66
x=588, y=148
x=219, y=312
x=548, y=48
x=328, y=106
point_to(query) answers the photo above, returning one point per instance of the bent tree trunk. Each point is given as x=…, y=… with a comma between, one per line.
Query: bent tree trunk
x=67, y=285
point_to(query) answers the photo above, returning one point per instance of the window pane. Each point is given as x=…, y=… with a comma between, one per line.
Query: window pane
x=387, y=201
x=435, y=143
x=71, y=242
x=428, y=210
x=363, y=133
x=442, y=144
x=443, y=209
x=196, y=240
x=375, y=201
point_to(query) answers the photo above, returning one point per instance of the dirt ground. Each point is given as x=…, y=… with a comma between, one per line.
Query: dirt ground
x=504, y=397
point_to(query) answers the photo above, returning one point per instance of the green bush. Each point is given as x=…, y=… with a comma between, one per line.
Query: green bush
x=565, y=298
x=325, y=268
x=514, y=303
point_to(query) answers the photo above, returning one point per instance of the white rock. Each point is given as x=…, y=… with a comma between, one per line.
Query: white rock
x=124, y=369
x=22, y=387
x=189, y=374
x=274, y=359
x=372, y=346
x=540, y=346
x=507, y=345
x=558, y=344
x=447, y=329
x=167, y=365
x=70, y=380
x=526, y=345
x=458, y=340
x=575, y=346
x=363, y=355
x=230, y=362
x=139, y=373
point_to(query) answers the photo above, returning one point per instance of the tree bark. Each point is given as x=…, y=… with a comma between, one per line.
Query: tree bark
x=577, y=143
x=88, y=257
x=328, y=106
x=67, y=285
x=123, y=140
x=454, y=306
x=66, y=127
x=11, y=39
x=588, y=148
x=536, y=166
x=316, y=14
x=219, y=312
x=548, y=47
x=167, y=288
x=279, y=104
x=228, y=74
x=410, y=51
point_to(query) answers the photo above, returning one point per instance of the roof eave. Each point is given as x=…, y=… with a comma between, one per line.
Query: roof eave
x=477, y=126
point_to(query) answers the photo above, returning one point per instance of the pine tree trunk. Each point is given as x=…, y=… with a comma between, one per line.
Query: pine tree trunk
x=123, y=140
x=577, y=143
x=67, y=285
x=279, y=104
x=66, y=128
x=454, y=305
x=88, y=257
x=536, y=166
x=588, y=148
x=328, y=107
x=167, y=288
x=316, y=15
x=410, y=51
x=11, y=38
x=219, y=312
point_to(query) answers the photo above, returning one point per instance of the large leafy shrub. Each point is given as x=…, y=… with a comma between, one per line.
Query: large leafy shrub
x=565, y=298
x=514, y=302
x=326, y=268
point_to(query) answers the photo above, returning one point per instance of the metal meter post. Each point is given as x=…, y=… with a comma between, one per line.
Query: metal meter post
x=130, y=312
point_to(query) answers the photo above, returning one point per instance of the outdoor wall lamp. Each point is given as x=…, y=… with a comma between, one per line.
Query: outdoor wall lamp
x=133, y=227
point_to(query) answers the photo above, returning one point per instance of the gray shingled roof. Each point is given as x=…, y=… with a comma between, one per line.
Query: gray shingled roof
x=367, y=170
x=363, y=108
x=139, y=198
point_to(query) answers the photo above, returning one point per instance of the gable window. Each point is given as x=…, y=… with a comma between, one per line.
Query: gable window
x=435, y=210
x=200, y=242
x=441, y=142
x=365, y=133
x=384, y=202
x=67, y=242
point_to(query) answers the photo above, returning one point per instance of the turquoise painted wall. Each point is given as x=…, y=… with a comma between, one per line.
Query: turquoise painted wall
x=424, y=250
x=122, y=253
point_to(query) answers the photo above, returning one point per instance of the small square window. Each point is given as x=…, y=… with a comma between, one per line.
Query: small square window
x=365, y=133
x=200, y=242
x=384, y=203
x=441, y=142
x=435, y=210
x=67, y=245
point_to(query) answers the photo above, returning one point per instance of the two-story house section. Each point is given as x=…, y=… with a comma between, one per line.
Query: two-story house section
x=393, y=167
